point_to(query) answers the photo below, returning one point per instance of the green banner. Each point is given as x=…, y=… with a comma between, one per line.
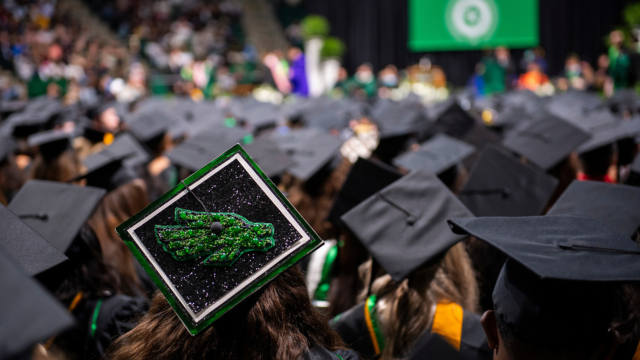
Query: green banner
x=440, y=25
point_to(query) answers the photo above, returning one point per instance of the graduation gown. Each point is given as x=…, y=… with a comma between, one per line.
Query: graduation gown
x=98, y=323
x=460, y=328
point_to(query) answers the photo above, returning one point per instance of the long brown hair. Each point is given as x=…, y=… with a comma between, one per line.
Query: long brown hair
x=406, y=308
x=61, y=168
x=117, y=206
x=278, y=322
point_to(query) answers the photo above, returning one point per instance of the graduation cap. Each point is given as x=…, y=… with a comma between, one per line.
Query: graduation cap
x=55, y=210
x=395, y=119
x=499, y=185
x=217, y=237
x=366, y=177
x=30, y=315
x=106, y=169
x=52, y=143
x=547, y=141
x=311, y=149
x=7, y=146
x=31, y=252
x=448, y=118
x=556, y=286
x=126, y=144
x=404, y=225
x=438, y=154
x=198, y=151
x=270, y=158
x=624, y=100
x=150, y=125
x=606, y=134
x=37, y=115
x=612, y=204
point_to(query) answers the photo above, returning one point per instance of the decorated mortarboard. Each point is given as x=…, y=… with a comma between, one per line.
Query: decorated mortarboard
x=267, y=154
x=52, y=143
x=547, y=141
x=448, y=118
x=500, y=185
x=217, y=237
x=30, y=315
x=311, y=149
x=56, y=211
x=366, y=177
x=438, y=154
x=28, y=249
x=404, y=226
x=556, y=284
x=617, y=206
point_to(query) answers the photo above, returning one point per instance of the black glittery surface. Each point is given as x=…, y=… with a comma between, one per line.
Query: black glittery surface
x=231, y=189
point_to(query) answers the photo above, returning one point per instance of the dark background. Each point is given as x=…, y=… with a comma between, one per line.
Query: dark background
x=376, y=31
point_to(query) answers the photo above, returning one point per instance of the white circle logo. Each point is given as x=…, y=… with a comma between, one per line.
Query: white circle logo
x=471, y=20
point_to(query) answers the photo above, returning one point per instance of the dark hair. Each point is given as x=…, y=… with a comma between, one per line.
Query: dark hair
x=597, y=161
x=116, y=207
x=277, y=322
x=61, y=168
x=87, y=273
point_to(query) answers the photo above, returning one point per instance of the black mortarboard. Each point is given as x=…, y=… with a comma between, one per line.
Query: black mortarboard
x=404, y=226
x=448, y=118
x=500, y=185
x=126, y=144
x=10, y=106
x=217, y=237
x=480, y=136
x=365, y=179
x=30, y=315
x=547, y=141
x=506, y=118
x=55, y=210
x=624, y=100
x=201, y=149
x=52, y=143
x=311, y=149
x=603, y=135
x=438, y=154
x=106, y=169
x=395, y=119
x=7, y=146
x=270, y=158
x=617, y=206
x=30, y=251
x=556, y=284
x=149, y=125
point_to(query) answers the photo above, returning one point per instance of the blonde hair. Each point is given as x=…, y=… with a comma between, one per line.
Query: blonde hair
x=405, y=308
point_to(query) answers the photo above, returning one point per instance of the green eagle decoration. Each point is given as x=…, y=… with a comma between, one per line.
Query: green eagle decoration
x=225, y=236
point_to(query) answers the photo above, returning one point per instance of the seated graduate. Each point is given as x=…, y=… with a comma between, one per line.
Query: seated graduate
x=89, y=288
x=557, y=294
x=429, y=287
x=222, y=247
x=56, y=159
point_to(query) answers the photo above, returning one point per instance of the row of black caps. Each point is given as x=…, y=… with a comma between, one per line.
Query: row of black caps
x=499, y=185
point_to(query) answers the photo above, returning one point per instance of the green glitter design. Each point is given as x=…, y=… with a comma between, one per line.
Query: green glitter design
x=193, y=237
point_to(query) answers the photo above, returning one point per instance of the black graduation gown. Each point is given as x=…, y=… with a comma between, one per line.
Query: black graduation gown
x=629, y=350
x=319, y=353
x=116, y=316
x=466, y=332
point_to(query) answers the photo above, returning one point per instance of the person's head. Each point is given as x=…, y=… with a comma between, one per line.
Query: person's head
x=277, y=322
x=60, y=168
x=597, y=162
x=108, y=119
x=405, y=307
x=616, y=38
x=603, y=61
x=549, y=319
x=293, y=53
x=116, y=207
